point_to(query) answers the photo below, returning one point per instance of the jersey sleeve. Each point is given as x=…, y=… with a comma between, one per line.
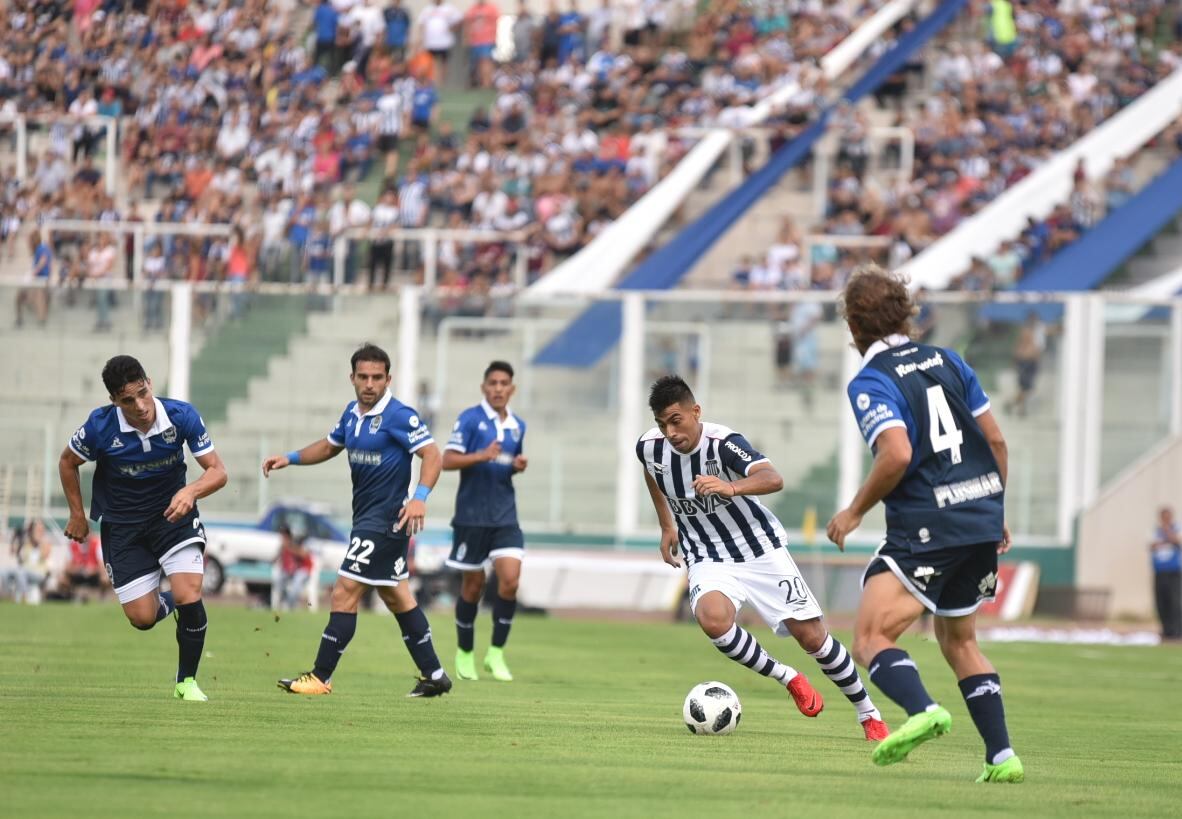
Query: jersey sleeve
x=974, y=395
x=337, y=436
x=408, y=430
x=640, y=450
x=84, y=442
x=463, y=435
x=196, y=435
x=877, y=405
x=738, y=455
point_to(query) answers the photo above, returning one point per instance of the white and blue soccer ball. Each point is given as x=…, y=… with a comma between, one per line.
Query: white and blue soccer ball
x=712, y=708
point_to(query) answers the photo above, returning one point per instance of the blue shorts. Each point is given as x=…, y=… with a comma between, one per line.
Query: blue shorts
x=949, y=582
x=473, y=546
x=135, y=550
x=481, y=52
x=376, y=558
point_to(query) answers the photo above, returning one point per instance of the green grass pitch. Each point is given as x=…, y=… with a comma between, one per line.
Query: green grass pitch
x=591, y=727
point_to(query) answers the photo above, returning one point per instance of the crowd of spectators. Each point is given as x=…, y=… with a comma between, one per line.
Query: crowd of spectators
x=294, y=124
x=1036, y=77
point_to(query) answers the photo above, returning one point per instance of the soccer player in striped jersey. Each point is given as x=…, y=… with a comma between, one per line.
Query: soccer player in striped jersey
x=940, y=469
x=703, y=479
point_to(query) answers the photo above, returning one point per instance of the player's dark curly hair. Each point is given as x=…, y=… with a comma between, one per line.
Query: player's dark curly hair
x=667, y=391
x=121, y=371
x=370, y=352
x=876, y=304
x=498, y=367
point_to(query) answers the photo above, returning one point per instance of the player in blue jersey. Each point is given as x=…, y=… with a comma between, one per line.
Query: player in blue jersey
x=381, y=434
x=705, y=481
x=486, y=445
x=147, y=513
x=940, y=469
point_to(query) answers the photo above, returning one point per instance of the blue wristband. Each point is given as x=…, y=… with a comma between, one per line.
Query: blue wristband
x=421, y=492
x=293, y=457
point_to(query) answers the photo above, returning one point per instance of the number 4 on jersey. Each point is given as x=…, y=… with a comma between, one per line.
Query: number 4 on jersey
x=944, y=432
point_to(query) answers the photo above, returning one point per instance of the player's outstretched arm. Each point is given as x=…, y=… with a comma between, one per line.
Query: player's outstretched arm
x=762, y=479
x=668, y=525
x=892, y=456
x=212, y=479
x=67, y=469
x=314, y=453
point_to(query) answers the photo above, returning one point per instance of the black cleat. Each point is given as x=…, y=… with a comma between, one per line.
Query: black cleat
x=431, y=688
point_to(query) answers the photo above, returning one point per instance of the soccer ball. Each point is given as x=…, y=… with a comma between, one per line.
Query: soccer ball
x=712, y=708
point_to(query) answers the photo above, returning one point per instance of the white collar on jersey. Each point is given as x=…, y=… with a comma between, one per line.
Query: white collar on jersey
x=161, y=423
x=377, y=408
x=491, y=414
x=888, y=343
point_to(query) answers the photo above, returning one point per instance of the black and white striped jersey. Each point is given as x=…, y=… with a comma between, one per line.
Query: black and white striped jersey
x=723, y=530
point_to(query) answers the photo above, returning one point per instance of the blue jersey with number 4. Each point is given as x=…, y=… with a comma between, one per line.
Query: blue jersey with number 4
x=137, y=473
x=952, y=493
x=380, y=445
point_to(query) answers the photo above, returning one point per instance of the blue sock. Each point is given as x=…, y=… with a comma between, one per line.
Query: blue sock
x=167, y=606
x=982, y=694
x=191, y=623
x=895, y=673
x=503, y=611
x=342, y=625
x=466, y=624
x=416, y=633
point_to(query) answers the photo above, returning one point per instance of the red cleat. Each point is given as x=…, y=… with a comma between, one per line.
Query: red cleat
x=876, y=730
x=808, y=699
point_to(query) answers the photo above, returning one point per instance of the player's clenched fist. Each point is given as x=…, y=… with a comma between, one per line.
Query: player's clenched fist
x=77, y=529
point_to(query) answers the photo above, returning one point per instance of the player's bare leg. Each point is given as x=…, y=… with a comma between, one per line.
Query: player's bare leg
x=471, y=588
x=508, y=571
x=715, y=614
x=981, y=688
x=416, y=634
x=837, y=664
x=886, y=611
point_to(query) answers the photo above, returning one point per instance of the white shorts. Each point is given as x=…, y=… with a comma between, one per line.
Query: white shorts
x=771, y=585
x=185, y=560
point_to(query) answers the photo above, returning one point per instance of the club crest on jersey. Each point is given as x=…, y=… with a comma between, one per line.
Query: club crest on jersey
x=713, y=468
x=375, y=423
x=515, y=433
x=169, y=435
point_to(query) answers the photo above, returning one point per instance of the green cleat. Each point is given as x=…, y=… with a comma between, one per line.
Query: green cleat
x=1008, y=771
x=187, y=690
x=911, y=734
x=466, y=665
x=494, y=663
